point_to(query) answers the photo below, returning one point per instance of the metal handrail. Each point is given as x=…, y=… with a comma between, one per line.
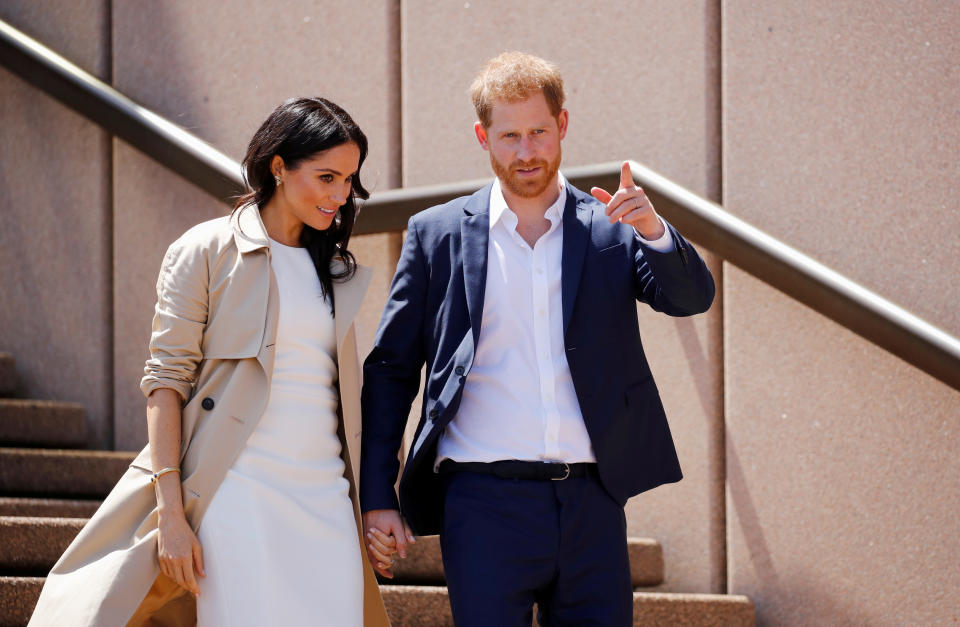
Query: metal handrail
x=869, y=315
x=170, y=145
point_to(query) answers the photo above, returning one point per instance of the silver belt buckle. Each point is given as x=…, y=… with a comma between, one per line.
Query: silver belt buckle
x=566, y=474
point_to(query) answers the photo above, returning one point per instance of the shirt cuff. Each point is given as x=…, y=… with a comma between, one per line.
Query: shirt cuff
x=663, y=244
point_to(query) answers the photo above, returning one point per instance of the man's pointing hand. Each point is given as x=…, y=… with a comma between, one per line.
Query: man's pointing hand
x=631, y=206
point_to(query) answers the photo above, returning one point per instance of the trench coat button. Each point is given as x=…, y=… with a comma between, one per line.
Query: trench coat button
x=207, y=403
x=458, y=370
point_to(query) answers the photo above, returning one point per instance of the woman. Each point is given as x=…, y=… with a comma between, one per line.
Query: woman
x=252, y=412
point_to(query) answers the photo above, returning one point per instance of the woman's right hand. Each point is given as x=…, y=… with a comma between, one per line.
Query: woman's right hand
x=180, y=555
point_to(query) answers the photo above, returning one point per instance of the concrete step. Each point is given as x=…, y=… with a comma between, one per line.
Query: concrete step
x=60, y=473
x=18, y=597
x=427, y=606
x=8, y=375
x=50, y=508
x=42, y=423
x=423, y=564
x=31, y=546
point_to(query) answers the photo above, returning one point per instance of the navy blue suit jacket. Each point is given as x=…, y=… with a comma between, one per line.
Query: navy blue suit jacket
x=433, y=316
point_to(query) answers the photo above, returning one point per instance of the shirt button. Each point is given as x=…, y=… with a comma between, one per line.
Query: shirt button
x=539, y=270
x=541, y=312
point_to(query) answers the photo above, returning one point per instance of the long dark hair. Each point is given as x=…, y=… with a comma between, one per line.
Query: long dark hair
x=297, y=130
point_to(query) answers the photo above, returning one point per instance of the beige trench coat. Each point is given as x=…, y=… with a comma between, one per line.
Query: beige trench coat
x=213, y=338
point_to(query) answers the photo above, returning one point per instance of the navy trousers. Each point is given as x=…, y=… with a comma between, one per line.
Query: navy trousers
x=510, y=543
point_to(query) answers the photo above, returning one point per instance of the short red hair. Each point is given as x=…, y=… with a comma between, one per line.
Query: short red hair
x=515, y=76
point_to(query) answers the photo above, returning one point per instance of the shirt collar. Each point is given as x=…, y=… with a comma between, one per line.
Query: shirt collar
x=500, y=211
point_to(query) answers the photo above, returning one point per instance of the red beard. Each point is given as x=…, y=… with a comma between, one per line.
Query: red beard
x=526, y=187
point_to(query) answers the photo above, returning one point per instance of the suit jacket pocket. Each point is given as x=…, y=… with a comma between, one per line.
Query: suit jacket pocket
x=612, y=250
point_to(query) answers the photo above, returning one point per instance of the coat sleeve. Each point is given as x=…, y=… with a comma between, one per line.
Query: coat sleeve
x=391, y=376
x=179, y=320
x=676, y=282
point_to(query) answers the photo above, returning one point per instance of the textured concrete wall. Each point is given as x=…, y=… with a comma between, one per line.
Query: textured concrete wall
x=641, y=82
x=55, y=242
x=219, y=71
x=840, y=134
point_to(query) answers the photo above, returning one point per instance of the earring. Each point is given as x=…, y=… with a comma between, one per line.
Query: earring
x=276, y=177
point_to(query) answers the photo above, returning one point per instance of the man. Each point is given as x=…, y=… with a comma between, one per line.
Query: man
x=540, y=416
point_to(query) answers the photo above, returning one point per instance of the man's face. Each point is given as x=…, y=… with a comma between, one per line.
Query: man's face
x=524, y=144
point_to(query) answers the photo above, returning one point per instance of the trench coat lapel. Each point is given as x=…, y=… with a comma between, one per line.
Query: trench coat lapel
x=474, y=236
x=251, y=238
x=347, y=298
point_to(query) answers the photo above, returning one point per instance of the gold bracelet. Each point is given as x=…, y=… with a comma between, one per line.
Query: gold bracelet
x=162, y=472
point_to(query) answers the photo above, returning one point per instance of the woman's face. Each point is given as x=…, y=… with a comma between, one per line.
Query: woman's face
x=319, y=185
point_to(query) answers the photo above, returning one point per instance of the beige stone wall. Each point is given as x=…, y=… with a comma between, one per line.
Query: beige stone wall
x=840, y=136
x=55, y=238
x=820, y=470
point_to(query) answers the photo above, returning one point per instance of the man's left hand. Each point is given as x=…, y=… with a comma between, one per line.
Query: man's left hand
x=631, y=206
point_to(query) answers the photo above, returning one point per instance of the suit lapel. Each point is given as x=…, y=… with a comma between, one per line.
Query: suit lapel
x=474, y=235
x=577, y=218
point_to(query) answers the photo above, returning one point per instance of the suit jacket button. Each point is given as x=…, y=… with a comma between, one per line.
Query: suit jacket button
x=458, y=370
x=434, y=413
x=207, y=403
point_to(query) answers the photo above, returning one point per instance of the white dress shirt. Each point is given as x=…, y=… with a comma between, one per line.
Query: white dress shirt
x=518, y=400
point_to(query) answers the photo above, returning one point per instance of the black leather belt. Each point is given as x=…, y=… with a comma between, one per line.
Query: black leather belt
x=515, y=469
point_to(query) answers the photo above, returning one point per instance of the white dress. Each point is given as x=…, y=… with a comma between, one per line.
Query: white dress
x=279, y=540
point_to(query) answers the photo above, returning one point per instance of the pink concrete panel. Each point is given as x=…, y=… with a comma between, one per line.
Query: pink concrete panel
x=842, y=467
x=218, y=69
x=55, y=282
x=684, y=354
x=641, y=81
x=839, y=135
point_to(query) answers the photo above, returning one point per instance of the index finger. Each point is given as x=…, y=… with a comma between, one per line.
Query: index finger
x=601, y=194
x=626, y=177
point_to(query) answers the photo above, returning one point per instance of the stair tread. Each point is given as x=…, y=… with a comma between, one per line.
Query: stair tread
x=423, y=563
x=427, y=606
x=60, y=473
x=32, y=545
x=50, y=536
x=52, y=508
x=31, y=422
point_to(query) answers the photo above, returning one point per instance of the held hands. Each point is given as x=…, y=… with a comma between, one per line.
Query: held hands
x=631, y=206
x=386, y=534
x=179, y=553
